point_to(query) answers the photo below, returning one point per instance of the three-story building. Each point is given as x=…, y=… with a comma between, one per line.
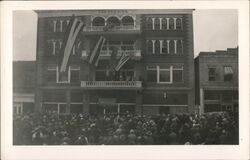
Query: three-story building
x=158, y=77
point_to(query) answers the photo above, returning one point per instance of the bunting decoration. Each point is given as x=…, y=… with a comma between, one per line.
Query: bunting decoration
x=94, y=57
x=124, y=58
x=72, y=31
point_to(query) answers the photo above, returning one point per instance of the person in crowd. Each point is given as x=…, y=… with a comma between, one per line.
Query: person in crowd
x=125, y=129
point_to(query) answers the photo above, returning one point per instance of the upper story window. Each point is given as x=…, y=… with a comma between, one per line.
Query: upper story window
x=211, y=74
x=127, y=21
x=178, y=23
x=165, y=74
x=113, y=21
x=165, y=46
x=98, y=21
x=54, y=76
x=228, y=73
x=163, y=23
x=171, y=24
x=108, y=75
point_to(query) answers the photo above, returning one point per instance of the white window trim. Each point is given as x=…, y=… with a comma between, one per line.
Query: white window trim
x=171, y=69
x=57, y=76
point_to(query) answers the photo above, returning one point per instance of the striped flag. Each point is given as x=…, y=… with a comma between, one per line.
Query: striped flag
x=94, y=57
x=124, y=58
x=72, y=31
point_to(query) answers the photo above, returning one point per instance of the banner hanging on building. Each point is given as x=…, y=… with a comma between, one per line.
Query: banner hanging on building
x=72, y=31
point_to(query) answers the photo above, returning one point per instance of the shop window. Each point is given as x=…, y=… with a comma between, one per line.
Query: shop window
x=76, y=108
x=211, y=74
x=211, y=95
x=228, y=73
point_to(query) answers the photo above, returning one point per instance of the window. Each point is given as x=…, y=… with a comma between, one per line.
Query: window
x=228, y=73
x=165, y=47
x=165, y=74
x=100, y=75
x=151, y=74
x=98, y=21
x=63, y=77
x=177, y=73
x=171, y=24
x=149, y=47
x=127, y=21
x=179, y=46
x=178, y=24
x=74, y=74
x=171, y=47
x=164, y=24
x=157, y=24
x=58, y=108
x=149, y=23
x=51, y=74
x=211, y=74
x=157, y=47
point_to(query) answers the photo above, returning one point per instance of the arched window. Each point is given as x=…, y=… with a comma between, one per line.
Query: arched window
x=157, y=47
x=171, y=47
x=149, y=47
x=149, y=24
x=127, y=21
x=165, y=47
x=171, y=23
x=113, y=21
x=157, y=23
x=178, y=24
x=179, y=47
x=164, y=24
x=98, y=21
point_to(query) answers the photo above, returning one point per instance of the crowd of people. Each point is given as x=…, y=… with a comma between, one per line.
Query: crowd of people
x=125, y=129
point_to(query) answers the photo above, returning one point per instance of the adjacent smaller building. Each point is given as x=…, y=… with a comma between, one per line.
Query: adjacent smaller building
x=23, y=86
x=217, y=81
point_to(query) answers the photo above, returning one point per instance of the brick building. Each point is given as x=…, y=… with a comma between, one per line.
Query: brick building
x=159, y=77
x=217, y=80
x=23, y=86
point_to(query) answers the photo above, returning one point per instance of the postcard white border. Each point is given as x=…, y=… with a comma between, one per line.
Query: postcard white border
x=122, y=152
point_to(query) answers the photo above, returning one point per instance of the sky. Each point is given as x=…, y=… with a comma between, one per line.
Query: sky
x=213, y=30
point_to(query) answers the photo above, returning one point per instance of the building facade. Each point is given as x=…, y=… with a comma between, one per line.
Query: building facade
x=217, y=81
x=23, y=87
x=158, y=78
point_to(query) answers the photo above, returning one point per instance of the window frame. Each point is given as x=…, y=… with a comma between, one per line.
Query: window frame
x=231, y=75
x=209, y=76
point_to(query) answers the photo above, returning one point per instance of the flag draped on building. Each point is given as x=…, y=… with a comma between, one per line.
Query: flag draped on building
x=94, y=57
x=124, y=58
x=72, y=31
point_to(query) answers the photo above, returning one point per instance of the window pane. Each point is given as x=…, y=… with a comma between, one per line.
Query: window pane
x=63, y=76
x=211, y=74
x=74, y=76
x=177, y=75
x=100, y=75
x=51, y=77
x=152, y=76
x=62, y=108
x=164, y=76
